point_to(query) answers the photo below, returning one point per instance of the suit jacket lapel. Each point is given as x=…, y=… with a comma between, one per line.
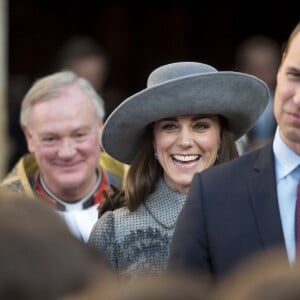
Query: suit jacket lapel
x=263, y=193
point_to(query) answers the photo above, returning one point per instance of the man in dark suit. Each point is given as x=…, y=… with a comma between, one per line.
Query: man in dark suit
x=245, y=206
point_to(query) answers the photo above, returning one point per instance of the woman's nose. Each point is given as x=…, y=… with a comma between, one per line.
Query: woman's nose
x=185, y=138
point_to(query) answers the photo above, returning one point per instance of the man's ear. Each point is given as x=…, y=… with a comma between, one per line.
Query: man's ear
x=28, y=137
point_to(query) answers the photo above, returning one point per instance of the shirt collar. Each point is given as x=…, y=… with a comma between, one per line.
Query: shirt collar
x=286, y=160
x=94, y=197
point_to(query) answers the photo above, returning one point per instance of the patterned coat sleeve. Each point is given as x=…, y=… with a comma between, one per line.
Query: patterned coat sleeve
x=103, y=239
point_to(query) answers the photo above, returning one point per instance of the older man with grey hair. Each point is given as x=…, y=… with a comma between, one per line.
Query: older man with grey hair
x=62, y=119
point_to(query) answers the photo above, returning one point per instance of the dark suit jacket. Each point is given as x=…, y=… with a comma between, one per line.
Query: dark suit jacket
x=231, y=213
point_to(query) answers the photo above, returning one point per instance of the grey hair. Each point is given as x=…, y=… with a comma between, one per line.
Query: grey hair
x=52, y=86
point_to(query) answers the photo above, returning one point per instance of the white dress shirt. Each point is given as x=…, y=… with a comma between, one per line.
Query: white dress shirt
x=287, y=168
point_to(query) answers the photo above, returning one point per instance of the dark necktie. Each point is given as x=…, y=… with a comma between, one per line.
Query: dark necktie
x=297, y=220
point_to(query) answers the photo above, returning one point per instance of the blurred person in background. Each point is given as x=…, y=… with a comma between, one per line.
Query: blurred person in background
x=39, y=257
x=85, y=57
x=150, y=288
x=264, y=276
x=259, y=55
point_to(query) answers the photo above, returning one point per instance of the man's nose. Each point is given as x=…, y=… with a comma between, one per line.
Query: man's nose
x=66, y=149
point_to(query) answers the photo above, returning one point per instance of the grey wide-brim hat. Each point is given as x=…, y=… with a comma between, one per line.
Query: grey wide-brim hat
x=184, y=88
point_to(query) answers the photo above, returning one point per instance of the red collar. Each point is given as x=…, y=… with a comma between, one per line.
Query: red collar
x=95, y=199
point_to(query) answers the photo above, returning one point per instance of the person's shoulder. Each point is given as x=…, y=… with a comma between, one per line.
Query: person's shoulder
x=123, y=217
x=109, y=223
x=17, y=179
x=237, y=165
x=110, y=215
x=103, y=227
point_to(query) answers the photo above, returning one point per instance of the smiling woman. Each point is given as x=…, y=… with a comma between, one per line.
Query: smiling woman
x=184, y=122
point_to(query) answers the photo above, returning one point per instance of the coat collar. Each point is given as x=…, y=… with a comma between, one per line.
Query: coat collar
x=164, y=204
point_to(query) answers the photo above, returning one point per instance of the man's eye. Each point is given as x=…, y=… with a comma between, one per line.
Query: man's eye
x=294, y=74
x=49, y=139
x=80, y=134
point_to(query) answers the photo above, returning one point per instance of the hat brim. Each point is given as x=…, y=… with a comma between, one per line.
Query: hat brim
x=238, y=97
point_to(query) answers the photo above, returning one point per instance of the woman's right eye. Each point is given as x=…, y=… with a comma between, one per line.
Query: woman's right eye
x=168, y=126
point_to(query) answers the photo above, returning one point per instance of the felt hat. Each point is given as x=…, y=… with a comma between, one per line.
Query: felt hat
x=184, y=88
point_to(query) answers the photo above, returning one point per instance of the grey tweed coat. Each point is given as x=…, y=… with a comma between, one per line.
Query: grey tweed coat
x=138, y=242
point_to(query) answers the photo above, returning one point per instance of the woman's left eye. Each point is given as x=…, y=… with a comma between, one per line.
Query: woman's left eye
x=168, y=126
x=201, y=125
